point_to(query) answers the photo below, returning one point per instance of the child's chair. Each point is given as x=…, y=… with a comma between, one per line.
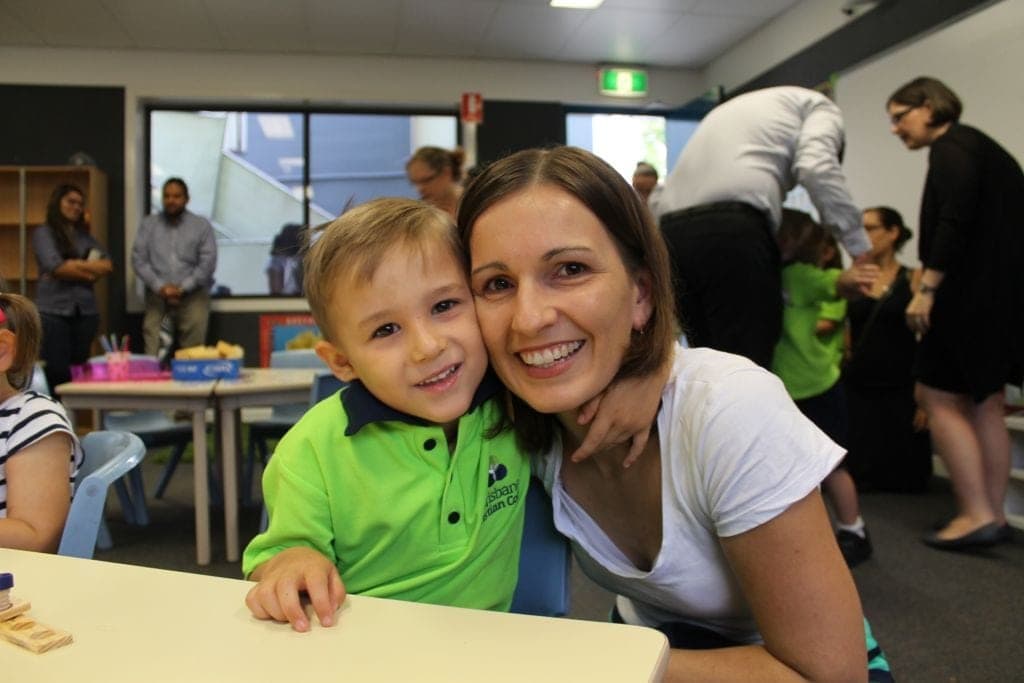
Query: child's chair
x=544, y=560
x=108, y=457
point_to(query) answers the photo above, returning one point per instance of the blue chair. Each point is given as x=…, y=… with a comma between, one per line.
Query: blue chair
x=281, y=417
x=544, y=560
x=108, y=457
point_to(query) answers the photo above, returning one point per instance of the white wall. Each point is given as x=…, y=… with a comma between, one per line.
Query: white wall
x=979, y=57
x=168, y=77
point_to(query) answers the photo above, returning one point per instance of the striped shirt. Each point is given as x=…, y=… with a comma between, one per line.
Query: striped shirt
x=25, y=419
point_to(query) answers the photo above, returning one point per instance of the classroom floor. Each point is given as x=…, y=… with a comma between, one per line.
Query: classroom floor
x=940, y=616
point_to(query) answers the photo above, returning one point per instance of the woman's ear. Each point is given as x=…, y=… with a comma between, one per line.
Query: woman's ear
x=643, y=306
x=336, y=360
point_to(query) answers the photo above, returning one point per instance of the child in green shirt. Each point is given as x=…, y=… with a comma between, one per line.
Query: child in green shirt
x=808, y=355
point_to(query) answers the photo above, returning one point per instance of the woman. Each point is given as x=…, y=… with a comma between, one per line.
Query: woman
x=436, y=173
x=717, y=534
x=889, y=447
x=70, y=260
x=969, y=307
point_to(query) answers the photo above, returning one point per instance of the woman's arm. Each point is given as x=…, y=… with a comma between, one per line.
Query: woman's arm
x=38, y=495
x=80, y=269
x=803, y=599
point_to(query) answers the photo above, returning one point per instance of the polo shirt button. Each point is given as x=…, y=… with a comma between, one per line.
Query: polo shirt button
x=429, y=444
x=453, y=518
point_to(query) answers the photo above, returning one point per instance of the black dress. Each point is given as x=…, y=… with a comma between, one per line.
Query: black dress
x=973, y=232
x=885, y=453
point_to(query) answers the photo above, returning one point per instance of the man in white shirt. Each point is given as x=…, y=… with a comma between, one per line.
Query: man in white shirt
x=722, y=204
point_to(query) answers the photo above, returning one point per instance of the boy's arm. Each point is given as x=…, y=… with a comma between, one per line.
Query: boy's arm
x=624, y=411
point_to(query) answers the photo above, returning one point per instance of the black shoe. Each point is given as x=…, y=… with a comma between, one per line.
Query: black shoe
x=1005, y=530
x=854, y=548
x=983, y=537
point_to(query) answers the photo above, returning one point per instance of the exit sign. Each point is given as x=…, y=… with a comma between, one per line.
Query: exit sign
x=620, y=82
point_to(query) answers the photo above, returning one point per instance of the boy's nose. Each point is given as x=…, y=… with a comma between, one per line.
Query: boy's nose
x=426, y=344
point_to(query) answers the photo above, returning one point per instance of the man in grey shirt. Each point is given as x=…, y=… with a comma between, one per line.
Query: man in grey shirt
x=175, y=254
x=722, y=204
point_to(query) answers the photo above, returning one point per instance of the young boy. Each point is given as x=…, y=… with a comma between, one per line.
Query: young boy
x=398, y=481
x=809, y=352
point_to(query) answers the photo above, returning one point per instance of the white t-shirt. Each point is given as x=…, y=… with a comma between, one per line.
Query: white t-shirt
x=735, y=453
x=25, y=418
x=758, y=146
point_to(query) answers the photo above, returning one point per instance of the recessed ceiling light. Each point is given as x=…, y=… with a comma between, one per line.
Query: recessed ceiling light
x=577, y=4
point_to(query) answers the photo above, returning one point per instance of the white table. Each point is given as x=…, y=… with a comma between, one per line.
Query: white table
x=255, y=387
x=139, y=624
x=159, y=395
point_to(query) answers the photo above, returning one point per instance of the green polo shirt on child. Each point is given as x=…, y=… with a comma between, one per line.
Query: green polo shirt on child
x=378, y=493
x=807, y=364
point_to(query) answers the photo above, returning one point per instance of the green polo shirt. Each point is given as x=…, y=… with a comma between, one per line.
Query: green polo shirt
x=379, y=494
x=807, y=364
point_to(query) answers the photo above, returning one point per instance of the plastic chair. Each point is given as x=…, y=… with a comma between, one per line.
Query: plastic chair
x=108, y=457
x=281, y=417
x=544, y=560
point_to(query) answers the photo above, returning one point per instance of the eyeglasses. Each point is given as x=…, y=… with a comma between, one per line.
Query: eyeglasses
x=895, y=119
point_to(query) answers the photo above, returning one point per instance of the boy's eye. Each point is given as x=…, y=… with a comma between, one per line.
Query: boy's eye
x=385, y=330
x=446, y=305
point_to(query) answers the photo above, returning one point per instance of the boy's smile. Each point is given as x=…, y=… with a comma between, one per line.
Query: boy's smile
x=410, y=334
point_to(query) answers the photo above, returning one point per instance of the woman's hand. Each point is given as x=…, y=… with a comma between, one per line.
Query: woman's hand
x=285, y=576
x=919, y=312
x=625, y=411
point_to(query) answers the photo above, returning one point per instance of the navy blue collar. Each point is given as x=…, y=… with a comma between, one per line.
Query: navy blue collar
x=364, y=408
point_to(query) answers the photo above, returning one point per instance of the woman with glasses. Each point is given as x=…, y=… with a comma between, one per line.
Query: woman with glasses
x=969, y=307
x=70, y=261
x=436, y=174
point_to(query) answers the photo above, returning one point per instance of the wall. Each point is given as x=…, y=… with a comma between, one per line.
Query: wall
x=175, y=77
x=979, y=57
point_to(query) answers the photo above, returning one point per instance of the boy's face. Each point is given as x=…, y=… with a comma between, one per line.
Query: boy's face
x=410, y=334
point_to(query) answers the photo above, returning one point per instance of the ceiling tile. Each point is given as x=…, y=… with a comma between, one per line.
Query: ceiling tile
x=696, y=39
x=260, y=25
x=353, y=27
x=181, y=25
x=13, y=31
x=438, y=28
x=528, y=32
x=617, y=35
x=766, y=9
x=86, y=23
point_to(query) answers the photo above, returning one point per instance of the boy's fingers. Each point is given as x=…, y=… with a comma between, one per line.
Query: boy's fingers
x=252, y=601
x=337, y=589
x=320, y=596
x=637, y=447
x=594, y=438
x=588, y=410
x=291, y=607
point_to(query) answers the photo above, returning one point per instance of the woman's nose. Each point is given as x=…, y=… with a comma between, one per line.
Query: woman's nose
x=533, y=312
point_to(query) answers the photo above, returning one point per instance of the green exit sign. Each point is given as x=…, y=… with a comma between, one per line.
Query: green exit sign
x=623, y=82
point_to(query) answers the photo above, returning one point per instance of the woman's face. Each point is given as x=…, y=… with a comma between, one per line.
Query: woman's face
x=911, y=124
x=555, y=303
x=883, y=238
x=72, y=204
x=433, y=185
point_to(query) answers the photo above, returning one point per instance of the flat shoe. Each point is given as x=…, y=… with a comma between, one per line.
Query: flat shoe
x=1005, y=530
x=982, y=537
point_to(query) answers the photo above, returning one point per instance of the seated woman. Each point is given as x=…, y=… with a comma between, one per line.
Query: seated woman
x=717, y=534
x=39, y=453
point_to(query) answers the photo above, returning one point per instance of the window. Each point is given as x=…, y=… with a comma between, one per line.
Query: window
x=247, y=170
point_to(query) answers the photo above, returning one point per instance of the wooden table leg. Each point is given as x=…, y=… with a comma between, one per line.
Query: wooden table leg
x=200, y=478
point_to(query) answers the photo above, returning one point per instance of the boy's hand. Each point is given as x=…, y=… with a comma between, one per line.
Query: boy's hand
x=284, y=576
x=624, y=411
x=857, y=280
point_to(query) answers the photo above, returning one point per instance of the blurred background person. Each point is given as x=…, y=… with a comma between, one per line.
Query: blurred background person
x=645, y=182
x=284, y=268
x=436, y=174
x=969, y=306
x=889, y=448
x=70, y=261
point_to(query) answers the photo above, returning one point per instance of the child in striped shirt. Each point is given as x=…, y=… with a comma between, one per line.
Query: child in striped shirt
x=39, y=453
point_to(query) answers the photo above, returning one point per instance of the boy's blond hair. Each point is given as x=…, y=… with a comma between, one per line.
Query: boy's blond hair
x=353, y=245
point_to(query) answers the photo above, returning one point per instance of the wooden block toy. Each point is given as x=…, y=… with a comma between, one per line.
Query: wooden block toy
x=21, y=629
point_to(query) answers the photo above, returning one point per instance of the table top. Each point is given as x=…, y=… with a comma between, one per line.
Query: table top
x=254, y=380
x=156, y=387
x=135, y=623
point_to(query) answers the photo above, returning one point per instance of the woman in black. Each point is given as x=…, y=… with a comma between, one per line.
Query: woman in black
x=70, y=261
x=969, y=307
x=889, y=449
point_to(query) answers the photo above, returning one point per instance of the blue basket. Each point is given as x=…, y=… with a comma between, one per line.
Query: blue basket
x=205, y=370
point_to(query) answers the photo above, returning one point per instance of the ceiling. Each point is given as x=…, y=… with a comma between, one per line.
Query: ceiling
x=665, y=33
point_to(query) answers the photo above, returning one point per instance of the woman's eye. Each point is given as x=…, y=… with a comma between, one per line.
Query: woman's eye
x=385, y=330
x=496, y=284
x=572, y=269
